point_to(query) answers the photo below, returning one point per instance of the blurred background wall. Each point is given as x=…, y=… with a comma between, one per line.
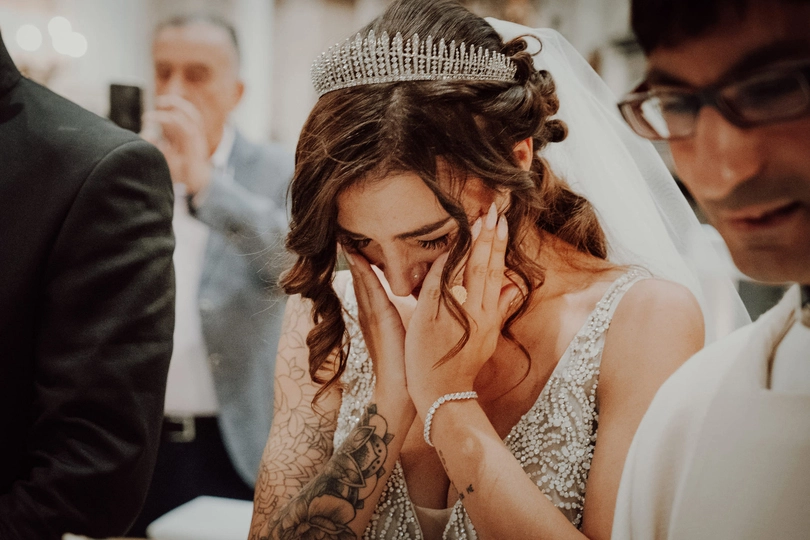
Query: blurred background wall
x=79, y=47
x=279, y=40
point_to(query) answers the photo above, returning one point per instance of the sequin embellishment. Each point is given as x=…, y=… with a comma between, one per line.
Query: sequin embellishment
x=553, y=441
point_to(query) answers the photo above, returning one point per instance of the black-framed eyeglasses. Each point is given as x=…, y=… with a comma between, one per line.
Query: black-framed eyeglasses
x=782, y=92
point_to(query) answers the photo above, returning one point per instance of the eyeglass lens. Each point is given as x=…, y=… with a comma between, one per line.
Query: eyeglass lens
x=762, y=99
x=768, y=97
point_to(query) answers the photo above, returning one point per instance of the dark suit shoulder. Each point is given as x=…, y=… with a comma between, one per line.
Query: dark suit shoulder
x=50, y=146
x=48, y=127
x=51, y=151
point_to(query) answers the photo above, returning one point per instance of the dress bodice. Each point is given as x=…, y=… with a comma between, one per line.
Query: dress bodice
x=553, y=440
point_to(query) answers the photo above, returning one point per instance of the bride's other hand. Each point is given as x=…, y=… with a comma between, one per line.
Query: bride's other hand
x=382, y=327
x=433, y=331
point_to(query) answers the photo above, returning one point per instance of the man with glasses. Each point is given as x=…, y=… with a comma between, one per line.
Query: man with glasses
x=724, y=450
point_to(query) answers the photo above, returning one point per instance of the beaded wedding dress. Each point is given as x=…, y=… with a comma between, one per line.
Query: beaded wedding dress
x=553, y=441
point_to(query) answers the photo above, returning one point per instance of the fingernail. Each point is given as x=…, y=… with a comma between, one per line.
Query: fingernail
x=503, y=228
x=476, y=228
x=492, y=217
x=349, y=258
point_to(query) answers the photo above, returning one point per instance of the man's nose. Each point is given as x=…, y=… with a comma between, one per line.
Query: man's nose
x=731, y=153
x=174, y=86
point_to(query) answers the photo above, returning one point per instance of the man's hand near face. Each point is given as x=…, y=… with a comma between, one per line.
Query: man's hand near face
x=176, y=128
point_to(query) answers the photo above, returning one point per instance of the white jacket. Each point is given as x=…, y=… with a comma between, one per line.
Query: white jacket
x=718, y=455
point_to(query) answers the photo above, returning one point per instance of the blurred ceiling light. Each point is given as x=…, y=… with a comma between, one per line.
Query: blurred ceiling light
x=59, y=26
x=65, y=40
x=73, y=44
x=29, y=38
x=78, y=45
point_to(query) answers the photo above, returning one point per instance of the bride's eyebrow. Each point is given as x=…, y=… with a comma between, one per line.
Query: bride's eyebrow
x=426, y=229
x=421, y=231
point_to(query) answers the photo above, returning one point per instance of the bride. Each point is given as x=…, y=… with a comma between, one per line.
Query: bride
x=481, y=368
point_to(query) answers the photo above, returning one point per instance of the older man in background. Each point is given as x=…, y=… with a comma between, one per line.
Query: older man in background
x=723, y=451
x=230, y=222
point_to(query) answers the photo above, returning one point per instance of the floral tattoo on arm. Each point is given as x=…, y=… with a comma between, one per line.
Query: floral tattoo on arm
x=324, y=508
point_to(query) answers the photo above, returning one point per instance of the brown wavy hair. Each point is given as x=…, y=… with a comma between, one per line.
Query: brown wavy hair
x=366, y=132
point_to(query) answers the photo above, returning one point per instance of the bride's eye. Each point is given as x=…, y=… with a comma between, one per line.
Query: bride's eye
x=354, y=244
x=436, y=243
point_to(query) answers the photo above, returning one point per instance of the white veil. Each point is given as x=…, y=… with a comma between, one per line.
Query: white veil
x=645, y=217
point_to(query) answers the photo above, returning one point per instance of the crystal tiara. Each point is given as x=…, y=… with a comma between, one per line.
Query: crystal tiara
x=371, y=60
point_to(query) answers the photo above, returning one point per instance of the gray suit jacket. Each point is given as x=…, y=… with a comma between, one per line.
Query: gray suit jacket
x=241, y=307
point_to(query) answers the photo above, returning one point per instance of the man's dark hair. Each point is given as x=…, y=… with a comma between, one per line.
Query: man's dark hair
x=665, y=23
x=207, y=18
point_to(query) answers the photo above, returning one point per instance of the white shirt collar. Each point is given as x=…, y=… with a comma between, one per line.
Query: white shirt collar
x=220, y=157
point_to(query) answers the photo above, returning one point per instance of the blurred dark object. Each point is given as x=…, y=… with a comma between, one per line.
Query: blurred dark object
x=760, y=297
x=126, y=106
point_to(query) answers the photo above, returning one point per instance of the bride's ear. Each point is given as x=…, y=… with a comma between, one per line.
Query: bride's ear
x=524, y=153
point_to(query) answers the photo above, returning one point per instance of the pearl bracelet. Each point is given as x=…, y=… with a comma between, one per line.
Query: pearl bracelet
x=438, y=403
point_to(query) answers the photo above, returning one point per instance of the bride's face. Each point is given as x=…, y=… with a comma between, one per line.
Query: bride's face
x=398, y=224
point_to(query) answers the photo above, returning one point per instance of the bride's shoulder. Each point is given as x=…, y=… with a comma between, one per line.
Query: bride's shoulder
x=656, y=297
x=656, y=327
x=656, y=313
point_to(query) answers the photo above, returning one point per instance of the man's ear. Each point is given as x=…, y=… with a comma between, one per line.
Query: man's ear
x=524, y=153
x=238, y=92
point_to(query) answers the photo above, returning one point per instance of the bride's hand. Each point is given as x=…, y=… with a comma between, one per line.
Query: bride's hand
x=433, y=331
x=382, y=327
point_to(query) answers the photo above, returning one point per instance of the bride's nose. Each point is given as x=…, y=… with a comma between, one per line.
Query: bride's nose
x=402, y=276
